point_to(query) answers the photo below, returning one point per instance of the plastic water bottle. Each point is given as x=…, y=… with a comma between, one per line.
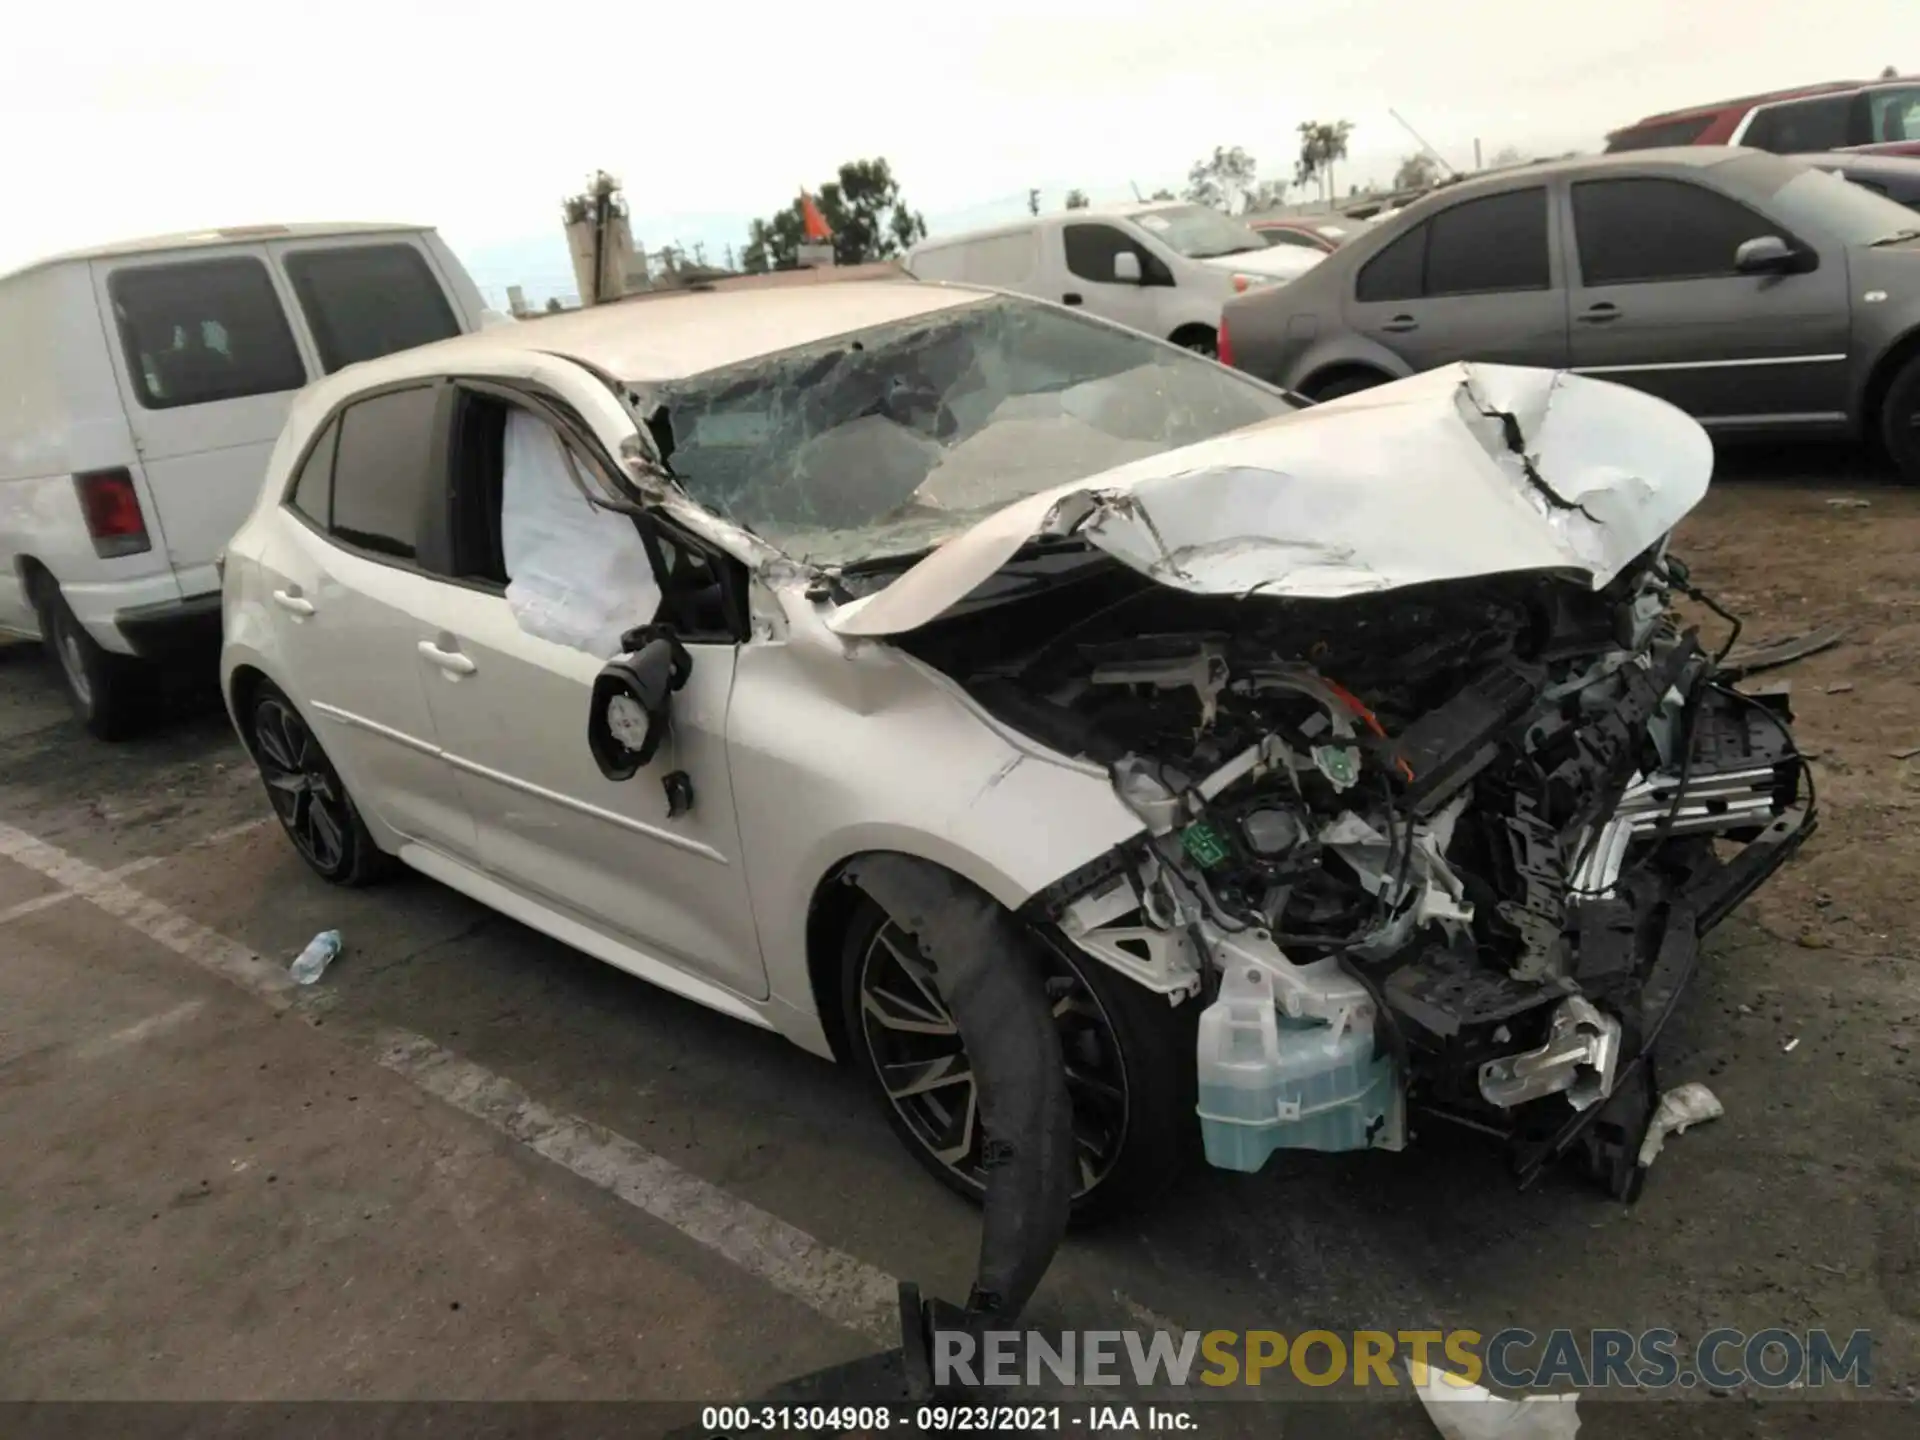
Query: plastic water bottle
x=314, y=960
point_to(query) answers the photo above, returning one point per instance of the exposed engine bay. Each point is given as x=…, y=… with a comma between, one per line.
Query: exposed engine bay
x=1450, y=846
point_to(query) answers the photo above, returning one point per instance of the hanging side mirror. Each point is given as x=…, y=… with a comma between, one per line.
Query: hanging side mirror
x=630, y=711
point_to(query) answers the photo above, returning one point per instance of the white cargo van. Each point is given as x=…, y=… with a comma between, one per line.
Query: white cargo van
x=142, y=386
x=1165, y=268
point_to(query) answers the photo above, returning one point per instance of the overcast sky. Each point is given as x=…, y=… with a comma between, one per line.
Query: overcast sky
x=124, y=119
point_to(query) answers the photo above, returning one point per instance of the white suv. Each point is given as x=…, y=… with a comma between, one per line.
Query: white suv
x=141, y=388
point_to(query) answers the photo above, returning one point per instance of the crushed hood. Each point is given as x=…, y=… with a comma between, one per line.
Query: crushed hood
x=1463, y=471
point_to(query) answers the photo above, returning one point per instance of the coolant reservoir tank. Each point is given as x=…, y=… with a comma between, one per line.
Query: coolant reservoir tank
x=1270, y=1083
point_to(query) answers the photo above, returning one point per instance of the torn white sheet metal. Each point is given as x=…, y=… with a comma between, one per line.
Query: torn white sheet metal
x=1461, y=1410
x=1408, y=483
x=1684, y=1105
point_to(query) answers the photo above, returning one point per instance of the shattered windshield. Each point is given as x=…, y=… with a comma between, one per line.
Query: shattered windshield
x=886, y=441
x=1199, y=231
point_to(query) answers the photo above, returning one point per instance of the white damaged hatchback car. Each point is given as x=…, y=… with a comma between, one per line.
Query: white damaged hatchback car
x=1105, y=756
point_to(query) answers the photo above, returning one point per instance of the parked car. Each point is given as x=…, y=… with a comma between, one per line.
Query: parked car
x=1756, y=292
x=145, y=384
x=1895, y=176
x=1326, y=236
x=1163, y=268
x=1063, y=728
x=1881, y=116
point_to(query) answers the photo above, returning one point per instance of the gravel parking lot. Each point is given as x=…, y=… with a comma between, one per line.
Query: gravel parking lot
x=438, y=1174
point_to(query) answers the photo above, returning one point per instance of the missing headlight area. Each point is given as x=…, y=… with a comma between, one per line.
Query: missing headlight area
x=1446, y=847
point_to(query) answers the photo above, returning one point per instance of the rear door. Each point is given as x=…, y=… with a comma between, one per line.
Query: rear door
x=1658, y=304
x=350, y=604
x=362, y=297
x=207, y=365
x=1480, y=280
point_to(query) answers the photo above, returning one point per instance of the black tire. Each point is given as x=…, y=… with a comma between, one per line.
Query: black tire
x=1900, y=421
x=112, y=695
x=307, y=795
x=1115, y=1036
x=1199, y=339
x=1350, y=383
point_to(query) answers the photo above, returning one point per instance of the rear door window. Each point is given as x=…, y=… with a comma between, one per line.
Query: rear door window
x=384, y=468
x=364, y=301
x=203, y=330
x=1496, y=243
x=1636, y=231
x=1398, y=272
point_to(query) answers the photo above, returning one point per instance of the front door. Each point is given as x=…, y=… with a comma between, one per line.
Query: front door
x=511, y=707
x=1478, y=281
x=1085, y=270
x=1657, y=304
x=207, y=366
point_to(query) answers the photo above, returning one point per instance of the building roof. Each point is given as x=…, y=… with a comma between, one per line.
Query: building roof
x=670, y=334
x=230, y=235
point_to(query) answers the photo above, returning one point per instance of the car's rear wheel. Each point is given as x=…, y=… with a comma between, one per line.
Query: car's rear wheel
x=307, y=795
x=1128, y=1056
x=1900, y=421
x=112, y=695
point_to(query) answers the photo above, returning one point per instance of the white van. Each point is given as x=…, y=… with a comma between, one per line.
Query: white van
x=142, y=386
x=1166, y=268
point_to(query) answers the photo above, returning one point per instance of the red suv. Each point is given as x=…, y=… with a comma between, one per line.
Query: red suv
x=1882, y=116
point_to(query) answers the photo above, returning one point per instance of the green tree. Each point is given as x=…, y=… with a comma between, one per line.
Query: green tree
x=1033, y=202
x=1077, y=199
x=864, y=210
x=1222, y=179
x=1321, y=144
x=1416, y=172
x=1163, y=194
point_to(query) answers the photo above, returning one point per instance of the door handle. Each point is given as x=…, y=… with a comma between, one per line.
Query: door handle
x=451, y=661
x=1072, y=297
x=290, y=601
x=1600, y=314
x=1400, y=324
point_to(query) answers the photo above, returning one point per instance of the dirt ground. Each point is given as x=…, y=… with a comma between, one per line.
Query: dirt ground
x=213, y=1193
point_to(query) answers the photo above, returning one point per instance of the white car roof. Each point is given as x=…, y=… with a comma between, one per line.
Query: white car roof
x=669, y=336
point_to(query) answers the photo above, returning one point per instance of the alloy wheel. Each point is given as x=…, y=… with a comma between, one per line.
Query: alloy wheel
x=306, y=794
x=922, y=1064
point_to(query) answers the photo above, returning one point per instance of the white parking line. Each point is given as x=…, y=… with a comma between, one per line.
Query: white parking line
x=132, y=867
x=837, y=1286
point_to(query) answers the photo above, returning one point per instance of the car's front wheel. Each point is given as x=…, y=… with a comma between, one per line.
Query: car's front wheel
x=307, y=795
x=1128, y=1057
x=1900, y=421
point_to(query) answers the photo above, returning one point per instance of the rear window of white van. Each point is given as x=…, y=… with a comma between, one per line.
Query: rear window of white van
x=197, y=331
x=364, y=301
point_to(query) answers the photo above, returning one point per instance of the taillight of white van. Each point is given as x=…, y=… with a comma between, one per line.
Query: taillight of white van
x=112, y=510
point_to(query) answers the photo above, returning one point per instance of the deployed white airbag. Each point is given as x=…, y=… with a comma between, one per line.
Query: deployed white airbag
x=577, y=575
x=1416, y=481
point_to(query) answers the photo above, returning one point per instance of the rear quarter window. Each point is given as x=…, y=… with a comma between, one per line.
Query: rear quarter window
x=365, y=301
